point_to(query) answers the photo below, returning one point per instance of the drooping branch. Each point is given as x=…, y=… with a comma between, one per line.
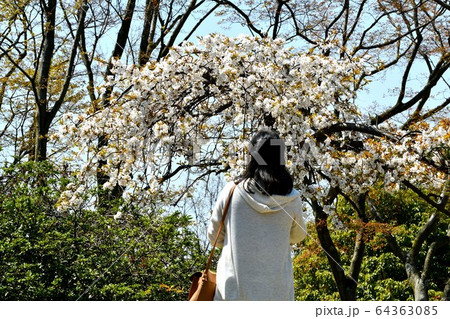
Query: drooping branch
x=322, y=134
x=168, y=175
x=242, y=14
x=438, y=206
x=198, y=178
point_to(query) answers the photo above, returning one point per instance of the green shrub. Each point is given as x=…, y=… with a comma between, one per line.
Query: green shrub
x=87, y=254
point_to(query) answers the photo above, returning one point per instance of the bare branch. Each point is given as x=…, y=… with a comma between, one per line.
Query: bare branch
x=71, y=65
x=249, y=23
x=345, y=8
x=433, y=79
x=200, y=21
x=276, y=24
x=179, y=26
x=414, y=118
x=297, y=28
x=443, y=4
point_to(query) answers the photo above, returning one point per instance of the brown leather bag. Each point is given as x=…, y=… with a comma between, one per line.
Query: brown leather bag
x=203, y=284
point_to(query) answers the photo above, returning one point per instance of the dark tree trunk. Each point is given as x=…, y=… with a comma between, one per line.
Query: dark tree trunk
x=45, y=115
x=148, y=31
x=121, y=41
x=42, y=115
x=346, y=285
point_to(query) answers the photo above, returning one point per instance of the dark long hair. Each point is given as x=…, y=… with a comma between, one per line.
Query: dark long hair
x=266, y=169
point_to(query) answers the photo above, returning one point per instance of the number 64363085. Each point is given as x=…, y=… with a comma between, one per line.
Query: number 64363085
x=406, y=310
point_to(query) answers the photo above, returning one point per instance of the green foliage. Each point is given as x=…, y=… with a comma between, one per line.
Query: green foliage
x=313, y=279
x=407, y=213
x=89, y=255
x=383, y=276
x=48, y=255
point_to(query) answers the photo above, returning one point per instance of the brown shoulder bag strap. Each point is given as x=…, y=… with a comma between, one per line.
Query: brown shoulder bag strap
x=224, y=214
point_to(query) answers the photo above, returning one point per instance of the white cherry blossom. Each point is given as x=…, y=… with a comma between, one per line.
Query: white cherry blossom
x=222, y=89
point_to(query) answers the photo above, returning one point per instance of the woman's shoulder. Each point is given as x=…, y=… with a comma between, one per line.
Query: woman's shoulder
x=294, y=198
x=226, y=188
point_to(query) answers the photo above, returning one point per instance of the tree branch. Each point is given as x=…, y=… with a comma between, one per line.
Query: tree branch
x=435, y=76
x=46, y=60
x=322, y=134
x=297, y=29
x=438, y=206
x=446, y=294
x=421, y=236
x=181, y=21
x=442, y=3
x=417, y=117
x=346, y=284
x=434, y=247
x=248, y=22
x=358, y=252
x=122, y=35
x=276, y=24
x=171, y=174
x=149, y=14
x=71, y=65
x=345, y=7
x=200, y=21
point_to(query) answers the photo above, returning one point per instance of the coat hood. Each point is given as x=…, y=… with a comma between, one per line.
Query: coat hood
x=265, y=204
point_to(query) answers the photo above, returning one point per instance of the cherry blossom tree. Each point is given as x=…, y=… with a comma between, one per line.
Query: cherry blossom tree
x=408, y=38
x=226, y=88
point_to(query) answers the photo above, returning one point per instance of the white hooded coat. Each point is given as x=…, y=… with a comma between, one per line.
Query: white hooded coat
x=255, y=263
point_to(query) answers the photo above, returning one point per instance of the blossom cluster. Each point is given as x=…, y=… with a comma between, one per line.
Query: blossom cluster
x=224, y=88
